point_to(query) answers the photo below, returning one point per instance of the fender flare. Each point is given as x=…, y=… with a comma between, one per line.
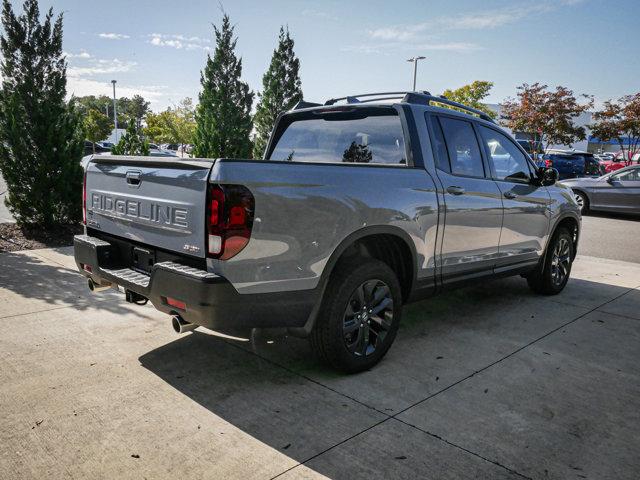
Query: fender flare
x=344, y=244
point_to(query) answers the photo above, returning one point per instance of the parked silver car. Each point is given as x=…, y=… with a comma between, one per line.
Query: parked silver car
x=617, y=191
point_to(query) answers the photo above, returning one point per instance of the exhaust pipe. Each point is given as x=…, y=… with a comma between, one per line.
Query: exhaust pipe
x=98, y=287
x=180, y=325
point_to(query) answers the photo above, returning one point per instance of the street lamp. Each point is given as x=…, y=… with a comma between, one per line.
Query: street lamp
x=115, y=110
x=415, y=68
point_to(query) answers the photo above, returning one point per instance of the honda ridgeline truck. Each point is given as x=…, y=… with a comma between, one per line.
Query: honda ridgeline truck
x=359, y=206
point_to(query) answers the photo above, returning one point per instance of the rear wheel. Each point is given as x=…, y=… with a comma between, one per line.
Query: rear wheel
x=552, y=274
x=359, y=317
x=582, y=201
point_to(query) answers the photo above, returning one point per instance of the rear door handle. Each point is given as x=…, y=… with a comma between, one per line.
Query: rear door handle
x=454, y=190
x=509, y=194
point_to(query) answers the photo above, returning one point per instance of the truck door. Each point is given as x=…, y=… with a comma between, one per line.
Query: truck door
x=473, y=202
x=526, y=215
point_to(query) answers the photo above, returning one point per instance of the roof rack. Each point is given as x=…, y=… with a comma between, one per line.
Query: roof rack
x=356, y=98
x=419, y=98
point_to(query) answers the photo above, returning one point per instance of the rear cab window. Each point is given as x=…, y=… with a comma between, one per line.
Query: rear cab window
x=357, y=135
x=460, y=146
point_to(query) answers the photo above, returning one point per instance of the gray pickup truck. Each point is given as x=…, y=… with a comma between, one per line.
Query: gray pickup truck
x=359, y=206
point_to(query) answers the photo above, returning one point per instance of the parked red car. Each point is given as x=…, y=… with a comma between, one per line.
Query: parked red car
x=619, y=162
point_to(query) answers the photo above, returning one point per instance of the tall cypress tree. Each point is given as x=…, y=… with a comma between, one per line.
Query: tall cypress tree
x=223, y=116
x=41, y=137
x=282, y=89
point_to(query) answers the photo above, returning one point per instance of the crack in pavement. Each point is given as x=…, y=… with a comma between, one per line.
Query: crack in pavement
x=394, y=416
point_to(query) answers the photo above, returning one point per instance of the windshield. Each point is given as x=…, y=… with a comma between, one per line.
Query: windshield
x=331, y=137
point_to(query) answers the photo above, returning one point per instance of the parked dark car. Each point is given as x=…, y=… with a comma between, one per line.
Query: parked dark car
x=88, y=148
x=617, y=191
x=529, y=146
x=571, y=164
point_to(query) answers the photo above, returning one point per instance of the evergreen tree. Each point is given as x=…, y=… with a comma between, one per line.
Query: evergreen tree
x=223, y=116
x=131, y=143
x=41, y=135
x=282, y=89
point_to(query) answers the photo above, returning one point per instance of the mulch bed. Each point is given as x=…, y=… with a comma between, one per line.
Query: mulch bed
x=14, y=238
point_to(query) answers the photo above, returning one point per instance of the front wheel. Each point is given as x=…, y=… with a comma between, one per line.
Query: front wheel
x=582, y=201
x=359, y=317
x=552, y=274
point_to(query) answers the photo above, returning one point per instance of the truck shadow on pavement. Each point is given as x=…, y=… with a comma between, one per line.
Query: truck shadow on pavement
x=272, y=388
x=26, y=279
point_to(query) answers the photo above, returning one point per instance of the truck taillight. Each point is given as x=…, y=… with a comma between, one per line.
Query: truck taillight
x=84, y=198
x=229, y=220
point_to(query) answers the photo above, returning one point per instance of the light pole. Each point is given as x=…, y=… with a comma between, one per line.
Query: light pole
x=115, y=110
x=415, y=68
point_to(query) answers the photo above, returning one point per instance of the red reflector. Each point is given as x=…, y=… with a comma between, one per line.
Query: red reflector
x=176, y=303
x=548, y=163
x=87, y=268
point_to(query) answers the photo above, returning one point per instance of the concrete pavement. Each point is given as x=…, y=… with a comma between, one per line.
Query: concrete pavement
x=486, y=382
x=611, y=235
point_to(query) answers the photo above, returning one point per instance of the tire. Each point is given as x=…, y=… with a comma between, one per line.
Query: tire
x=348, y=336
x=551, y=276
x=582, y=200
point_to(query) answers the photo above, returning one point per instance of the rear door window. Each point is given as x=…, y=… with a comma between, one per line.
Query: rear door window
x=462, y=146
x=375, y=138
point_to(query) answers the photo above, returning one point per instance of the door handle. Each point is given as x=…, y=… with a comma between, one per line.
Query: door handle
x=509, y=194
x=454, y=190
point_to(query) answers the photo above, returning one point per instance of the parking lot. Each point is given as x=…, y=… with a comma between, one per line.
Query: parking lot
x=486, y=382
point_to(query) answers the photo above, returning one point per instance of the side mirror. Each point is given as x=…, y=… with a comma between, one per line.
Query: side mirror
x=548, y=176
x=610, y=180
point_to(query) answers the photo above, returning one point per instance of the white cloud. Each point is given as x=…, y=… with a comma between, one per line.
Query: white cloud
x=472, y=21
x=83, y=54
x=394, y=47
x=80, y=86
x=178, y=41
x=98, y=67
x=113, y=36
x=400, y=33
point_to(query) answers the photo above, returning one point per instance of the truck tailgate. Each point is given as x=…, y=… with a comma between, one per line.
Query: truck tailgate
x=155, y=201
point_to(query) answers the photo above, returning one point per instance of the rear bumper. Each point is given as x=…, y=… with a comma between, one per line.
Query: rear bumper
x=211, y=300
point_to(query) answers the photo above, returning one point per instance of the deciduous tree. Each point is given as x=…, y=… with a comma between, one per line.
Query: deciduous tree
x=174, y=125
x=137, y=109
x=620, y=121
x=41, y=135
x=282, y=89
x=472, y=95
x=97, y=126
x=546, y=116
x=223, y=115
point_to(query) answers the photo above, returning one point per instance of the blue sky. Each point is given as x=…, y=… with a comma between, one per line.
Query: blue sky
x=157, y=48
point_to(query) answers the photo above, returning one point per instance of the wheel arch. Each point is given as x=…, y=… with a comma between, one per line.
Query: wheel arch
x=389, y=244
x=398, y=251
x=571, y=223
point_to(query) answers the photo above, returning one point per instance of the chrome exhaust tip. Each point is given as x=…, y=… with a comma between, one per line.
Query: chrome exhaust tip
x=180, y=325
x=97, y=287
